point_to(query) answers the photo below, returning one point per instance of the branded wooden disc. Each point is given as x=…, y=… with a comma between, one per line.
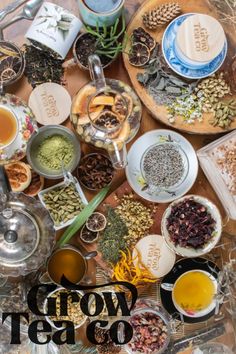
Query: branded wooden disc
x=155, y=255
x=50, y=103
x=200, y=38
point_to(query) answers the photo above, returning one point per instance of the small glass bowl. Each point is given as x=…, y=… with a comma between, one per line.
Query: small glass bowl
x=144, y=306
x=81, y=163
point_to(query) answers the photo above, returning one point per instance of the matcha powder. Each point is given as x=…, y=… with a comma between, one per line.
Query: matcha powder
x=53, y=151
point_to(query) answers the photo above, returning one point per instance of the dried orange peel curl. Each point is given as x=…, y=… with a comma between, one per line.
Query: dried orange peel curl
x=125, y=270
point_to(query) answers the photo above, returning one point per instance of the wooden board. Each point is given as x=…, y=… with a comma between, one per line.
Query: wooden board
x=112, y=201
x=160, y=112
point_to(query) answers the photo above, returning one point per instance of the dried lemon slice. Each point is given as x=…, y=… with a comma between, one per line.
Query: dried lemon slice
x=96, y=222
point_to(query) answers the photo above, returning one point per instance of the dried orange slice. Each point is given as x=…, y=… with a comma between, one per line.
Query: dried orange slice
x=19, y=175
x=120, y=106
x=139, y=54
x=84, y=119
x=79, y=105
x=36, y=185
x=102, y=100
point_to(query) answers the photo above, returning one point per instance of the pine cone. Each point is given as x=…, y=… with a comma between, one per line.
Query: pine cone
x=161, y=15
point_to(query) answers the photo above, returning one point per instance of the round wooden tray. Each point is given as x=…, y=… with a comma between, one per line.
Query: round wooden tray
x=160, y=112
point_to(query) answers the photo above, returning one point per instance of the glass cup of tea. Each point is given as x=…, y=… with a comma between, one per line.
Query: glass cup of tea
x=69, y=262
x=9, y=121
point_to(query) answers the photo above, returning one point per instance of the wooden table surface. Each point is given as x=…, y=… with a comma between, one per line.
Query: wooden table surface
x=76, y=79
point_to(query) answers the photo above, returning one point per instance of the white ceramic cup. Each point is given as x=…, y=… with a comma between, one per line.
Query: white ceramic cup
x=202, y=312
x=3, y=146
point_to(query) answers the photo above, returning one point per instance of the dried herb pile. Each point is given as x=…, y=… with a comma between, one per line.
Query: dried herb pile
x=42, y=67
x=136, y=216
x=112, y=239
x=184, y=98
x=160, y=81
x=226, y=10
x=136, y=274
x=227, y=164
x=207, y=97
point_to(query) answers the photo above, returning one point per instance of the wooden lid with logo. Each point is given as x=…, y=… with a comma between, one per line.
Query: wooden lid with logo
x=200, y=38
x=155, y=255
x=50, y=103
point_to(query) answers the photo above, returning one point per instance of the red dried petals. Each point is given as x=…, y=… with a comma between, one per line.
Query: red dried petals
x=190, y=224
x=149, y=333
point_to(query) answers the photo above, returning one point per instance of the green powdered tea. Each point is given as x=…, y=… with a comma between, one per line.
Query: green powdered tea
x=55, y=152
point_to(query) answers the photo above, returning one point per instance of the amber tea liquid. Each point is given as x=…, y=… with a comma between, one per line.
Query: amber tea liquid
x=194, y=291
x=66, y=262
x=8, y=127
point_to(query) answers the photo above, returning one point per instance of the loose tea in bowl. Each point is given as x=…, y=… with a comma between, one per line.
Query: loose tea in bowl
x=95, y=171
x=53, y=150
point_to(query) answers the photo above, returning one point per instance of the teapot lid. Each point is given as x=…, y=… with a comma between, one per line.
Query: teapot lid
x=19, y=235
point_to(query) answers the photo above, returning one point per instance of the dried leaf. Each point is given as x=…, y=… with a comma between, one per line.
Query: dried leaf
x=172, y=89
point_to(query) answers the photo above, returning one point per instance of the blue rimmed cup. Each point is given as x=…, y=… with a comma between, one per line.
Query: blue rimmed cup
x=94, y=15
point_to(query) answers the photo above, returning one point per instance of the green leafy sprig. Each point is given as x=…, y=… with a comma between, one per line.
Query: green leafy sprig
x=108, y=41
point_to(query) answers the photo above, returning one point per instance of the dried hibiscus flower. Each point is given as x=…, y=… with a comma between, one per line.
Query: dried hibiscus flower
x=190, y=224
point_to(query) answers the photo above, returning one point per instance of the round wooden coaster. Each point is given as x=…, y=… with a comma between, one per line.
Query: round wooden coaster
x=50, y=103
x=201, y=38
x=155, y=255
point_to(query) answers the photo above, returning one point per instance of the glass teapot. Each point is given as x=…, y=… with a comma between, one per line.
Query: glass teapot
x=106, y=113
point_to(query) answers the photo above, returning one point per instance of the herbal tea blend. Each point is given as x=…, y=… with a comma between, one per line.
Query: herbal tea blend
x=42, y=67
x=163, y=166
x=137, y=217
x=54, y=151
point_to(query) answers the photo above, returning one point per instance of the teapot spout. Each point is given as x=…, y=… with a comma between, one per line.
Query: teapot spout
x=118, y=154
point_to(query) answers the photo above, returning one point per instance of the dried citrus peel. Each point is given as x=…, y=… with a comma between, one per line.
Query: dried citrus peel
x=125, y=270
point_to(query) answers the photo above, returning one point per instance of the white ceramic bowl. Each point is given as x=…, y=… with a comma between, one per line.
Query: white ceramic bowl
x=190, y=251
x=78, y=189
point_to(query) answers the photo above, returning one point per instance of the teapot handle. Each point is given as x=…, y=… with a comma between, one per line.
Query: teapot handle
x=96, y=71
x=5, y=187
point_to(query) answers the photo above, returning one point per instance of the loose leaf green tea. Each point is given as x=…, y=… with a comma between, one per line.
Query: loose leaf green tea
x=113, y=237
